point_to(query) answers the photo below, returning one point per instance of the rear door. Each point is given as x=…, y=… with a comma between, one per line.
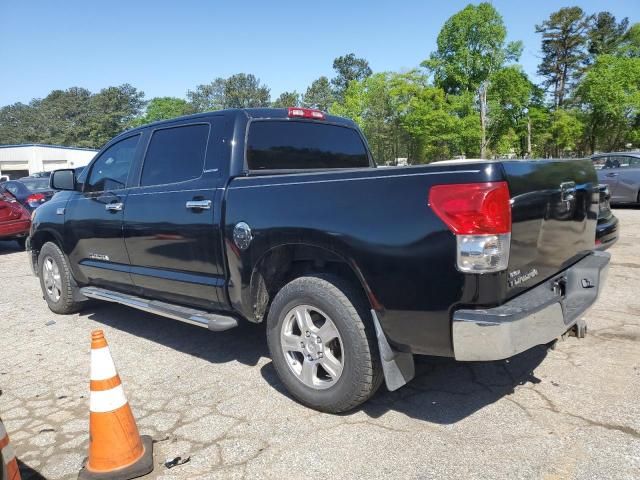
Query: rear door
x=628, y=179
x=171, y=221
x=93, y=218
x=606, y=174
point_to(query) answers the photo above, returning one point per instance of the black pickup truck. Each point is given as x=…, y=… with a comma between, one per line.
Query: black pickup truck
x=281, y=215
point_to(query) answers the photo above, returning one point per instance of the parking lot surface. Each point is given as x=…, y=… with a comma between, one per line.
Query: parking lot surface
x=214, y=398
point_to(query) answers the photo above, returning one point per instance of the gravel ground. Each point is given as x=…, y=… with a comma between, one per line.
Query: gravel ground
x=571, y=412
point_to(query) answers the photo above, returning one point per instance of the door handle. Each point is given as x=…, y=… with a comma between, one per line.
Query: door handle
x=114, y=207
x=612, y=174
x=199, y=204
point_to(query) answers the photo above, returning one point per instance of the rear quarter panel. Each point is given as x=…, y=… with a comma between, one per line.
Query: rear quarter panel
x=379, y=221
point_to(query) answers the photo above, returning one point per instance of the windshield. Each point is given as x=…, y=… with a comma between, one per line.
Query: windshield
x=36, y=184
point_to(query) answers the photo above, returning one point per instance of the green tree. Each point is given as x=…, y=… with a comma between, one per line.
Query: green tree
x=404, y=117
x=19, y=123
x=164, y=108
x=72, y=117
x=429, y=129
x=471, y=48
x=566, y=129
x=605, y=34
x=630, y=43
x=564, y=42
x=369, y=103
x=319, y=95
x=113, y=110
x=245, y=91
x=610, y=98
x=348, y=68
x=208, y=97
x=64, y=117
x=509, y=100
x=238, y=91
x=287, y=99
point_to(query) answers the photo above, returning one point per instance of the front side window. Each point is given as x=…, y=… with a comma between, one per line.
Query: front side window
x=279, y=145
x=110, y=171
x=175, y=155
x=600, y=162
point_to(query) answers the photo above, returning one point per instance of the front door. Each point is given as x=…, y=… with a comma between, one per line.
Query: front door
x=628, y=179
x=94, y=217
x=172, y=219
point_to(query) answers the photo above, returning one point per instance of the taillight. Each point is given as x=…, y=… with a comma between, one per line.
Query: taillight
x=479, y=215
x=305, y=113
x=35, y=199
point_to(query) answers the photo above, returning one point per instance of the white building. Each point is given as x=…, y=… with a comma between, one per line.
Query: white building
x=21, y=160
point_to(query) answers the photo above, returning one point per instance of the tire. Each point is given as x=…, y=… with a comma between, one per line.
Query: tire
x=22, y=242
x=352, y=343
x=58, y=286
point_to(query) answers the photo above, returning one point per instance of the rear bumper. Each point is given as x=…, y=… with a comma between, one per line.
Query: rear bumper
x=536, y=317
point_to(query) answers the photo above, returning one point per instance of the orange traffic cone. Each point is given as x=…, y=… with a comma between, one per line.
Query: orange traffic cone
x=116, y=449
x=9, y=467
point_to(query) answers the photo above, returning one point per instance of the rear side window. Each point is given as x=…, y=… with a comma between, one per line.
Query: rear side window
x=175, y=155
x=279, y=145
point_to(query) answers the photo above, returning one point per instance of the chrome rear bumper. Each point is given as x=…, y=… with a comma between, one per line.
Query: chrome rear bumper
x=536, y=317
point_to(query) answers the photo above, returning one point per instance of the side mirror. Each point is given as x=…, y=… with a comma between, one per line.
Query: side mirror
x=63, y=179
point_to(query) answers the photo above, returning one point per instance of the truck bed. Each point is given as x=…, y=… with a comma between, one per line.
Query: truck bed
x=379, y=220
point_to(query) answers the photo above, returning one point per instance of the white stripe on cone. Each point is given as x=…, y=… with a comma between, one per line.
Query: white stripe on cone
x=102, y=366
x=107, y=400
x=8, y=454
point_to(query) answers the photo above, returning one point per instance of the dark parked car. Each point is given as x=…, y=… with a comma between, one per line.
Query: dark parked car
x=621, y=172
x=39, y=175
x=30, y=192
x=15, y=220
x=281, y=216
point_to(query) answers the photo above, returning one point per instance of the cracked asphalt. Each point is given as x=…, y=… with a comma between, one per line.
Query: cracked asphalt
x=214, y=398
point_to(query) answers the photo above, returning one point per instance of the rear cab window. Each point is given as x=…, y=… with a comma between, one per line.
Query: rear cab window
x=303, y=145
x=175, y=154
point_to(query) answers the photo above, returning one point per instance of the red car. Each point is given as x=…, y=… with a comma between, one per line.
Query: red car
x=15, y=220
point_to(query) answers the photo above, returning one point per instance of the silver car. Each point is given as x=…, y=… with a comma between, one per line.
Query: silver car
x=621, y=171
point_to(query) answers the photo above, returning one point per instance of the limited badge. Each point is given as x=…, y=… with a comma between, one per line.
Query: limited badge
x=517, y=278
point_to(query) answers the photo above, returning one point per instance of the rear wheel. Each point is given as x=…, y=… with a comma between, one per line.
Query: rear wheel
x=322, y=345
x=58, y=286
x=22, y=242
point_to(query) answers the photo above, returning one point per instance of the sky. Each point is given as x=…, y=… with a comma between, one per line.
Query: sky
x=165, y=48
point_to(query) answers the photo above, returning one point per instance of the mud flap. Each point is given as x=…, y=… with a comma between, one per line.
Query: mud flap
x=398, y=367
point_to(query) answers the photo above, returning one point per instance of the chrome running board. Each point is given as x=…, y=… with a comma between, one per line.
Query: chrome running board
x=201, y=318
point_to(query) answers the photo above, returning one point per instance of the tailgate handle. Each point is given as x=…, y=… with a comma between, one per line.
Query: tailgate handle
x=567, y=191
x=612, y=174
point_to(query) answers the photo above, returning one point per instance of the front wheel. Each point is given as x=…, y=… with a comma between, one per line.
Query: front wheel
x=58, y=286
x=322, y=344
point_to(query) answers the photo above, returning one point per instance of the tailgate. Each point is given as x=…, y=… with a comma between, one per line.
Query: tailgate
x=554, y=215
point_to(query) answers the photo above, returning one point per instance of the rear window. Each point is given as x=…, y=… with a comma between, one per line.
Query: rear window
x=279, y=145
x=175, y=155
x=36, y=185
